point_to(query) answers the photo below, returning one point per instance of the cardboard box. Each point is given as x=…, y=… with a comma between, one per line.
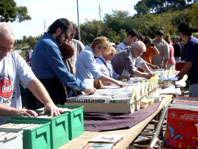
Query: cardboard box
x=105, y=107
x=182, y=127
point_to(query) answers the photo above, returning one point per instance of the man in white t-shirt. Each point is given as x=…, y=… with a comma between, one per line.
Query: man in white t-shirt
x=77, y=45
x=15, y=71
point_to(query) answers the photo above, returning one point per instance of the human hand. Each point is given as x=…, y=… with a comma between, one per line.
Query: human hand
x=90, y=91
x=124, y=77
x=155, y=67
x=180, y=76
x=121, y=84
x=52, y=109
x=26, y=113
x=149, y=75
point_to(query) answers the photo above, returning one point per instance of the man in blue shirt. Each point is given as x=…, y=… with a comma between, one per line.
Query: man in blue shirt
x=191, y=57
x=48, y=66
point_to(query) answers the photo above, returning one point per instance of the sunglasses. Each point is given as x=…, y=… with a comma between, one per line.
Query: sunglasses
x=65, y=34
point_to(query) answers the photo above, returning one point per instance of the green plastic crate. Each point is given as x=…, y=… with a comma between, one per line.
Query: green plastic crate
x=76, y=120
x=58, y=126
x=34, y=138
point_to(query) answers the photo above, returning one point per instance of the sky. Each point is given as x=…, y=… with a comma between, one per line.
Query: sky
x=49, y=10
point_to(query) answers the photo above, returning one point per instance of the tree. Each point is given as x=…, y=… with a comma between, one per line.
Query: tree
x=141, y=7
x=10, y=12
x=194, y=15
x=91, y=30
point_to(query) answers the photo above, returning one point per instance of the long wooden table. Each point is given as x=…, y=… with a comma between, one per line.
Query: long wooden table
x=129, y=134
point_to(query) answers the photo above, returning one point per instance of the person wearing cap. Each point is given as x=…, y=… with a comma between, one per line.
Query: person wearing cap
x=161, y=59
x=191, y=57
x=125, y=62
x=14, y=72
x=48, y=66
x=86, y=66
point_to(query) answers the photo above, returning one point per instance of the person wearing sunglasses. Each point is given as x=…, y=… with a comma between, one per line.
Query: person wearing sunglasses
x=48, y=66
x=77, y=45
x=126, y=62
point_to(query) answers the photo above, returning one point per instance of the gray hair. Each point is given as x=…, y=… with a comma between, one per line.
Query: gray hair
x=6, y=31
x=139, y=45
x=177, y=37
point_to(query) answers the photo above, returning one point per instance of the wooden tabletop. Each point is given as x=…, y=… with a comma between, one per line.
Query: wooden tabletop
x=129, y=134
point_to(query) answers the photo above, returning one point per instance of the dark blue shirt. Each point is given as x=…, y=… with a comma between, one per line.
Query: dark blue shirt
x=47, y=63
x=191, y=55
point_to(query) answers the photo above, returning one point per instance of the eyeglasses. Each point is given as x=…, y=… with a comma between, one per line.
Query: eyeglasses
x=140, y=52
x=3, y=49
x=65, y=34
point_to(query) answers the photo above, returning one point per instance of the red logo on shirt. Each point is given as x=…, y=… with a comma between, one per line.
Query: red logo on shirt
x=5, y=88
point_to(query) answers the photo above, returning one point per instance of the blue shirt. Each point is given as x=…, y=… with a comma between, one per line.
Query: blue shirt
x=106, y=68
x=86, y=67
x=192, y=56
x=47, y=63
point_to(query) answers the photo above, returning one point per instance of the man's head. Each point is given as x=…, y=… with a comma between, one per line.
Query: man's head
x=7, y=39
x=138, y=48
x=132, y=36
x=159, y=35
x=185, y=31
x=60, y=30
x=74, y=32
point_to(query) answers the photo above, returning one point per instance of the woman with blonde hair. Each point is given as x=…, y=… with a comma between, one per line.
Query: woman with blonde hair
x=105, y=66
x=86, y=66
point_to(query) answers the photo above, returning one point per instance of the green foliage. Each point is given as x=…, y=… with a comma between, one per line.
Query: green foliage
x=10, y=12
x=90, y=30
x=194, y=15
x=26, y=42
x=160, y=6
x=23, y=53
x=116, y=25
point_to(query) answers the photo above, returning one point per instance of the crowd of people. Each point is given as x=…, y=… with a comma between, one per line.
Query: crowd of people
x=62, y=66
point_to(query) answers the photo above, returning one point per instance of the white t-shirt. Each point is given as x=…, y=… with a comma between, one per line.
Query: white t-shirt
x=13, y=71
x=122, y=46
x=78, y=47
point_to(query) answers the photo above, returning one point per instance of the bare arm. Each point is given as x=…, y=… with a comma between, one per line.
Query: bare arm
x=141, y=74
x=39, y=91
x=156, y=50
x=111, y=80
x=152, y=66
x=165, y=63
x=11, y=111
x=186, y=68
x=145, y=68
